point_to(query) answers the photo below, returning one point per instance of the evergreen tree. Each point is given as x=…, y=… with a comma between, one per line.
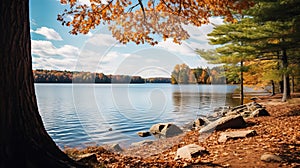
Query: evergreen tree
x=235, y=40
x=279, y=20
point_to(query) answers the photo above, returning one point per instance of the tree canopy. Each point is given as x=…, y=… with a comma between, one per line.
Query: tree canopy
x=267, y=31
x=138, y=22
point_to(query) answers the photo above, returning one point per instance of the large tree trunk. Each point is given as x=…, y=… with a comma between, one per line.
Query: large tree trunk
x=24, y=141
x=286, y=87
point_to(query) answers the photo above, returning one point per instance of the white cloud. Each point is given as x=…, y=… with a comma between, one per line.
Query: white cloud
x=105, y=40
x=49, y=33
x=198, y=35
x=198, y=39
x=183, y=49
x=47, y=49
x=47, y=56
x=53, y=64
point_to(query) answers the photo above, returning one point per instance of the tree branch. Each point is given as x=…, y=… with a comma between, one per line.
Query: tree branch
x=167, y=5
x=142, y=6
x=131, y=8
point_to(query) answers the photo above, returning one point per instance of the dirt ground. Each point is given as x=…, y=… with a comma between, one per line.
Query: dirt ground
x=278, y=134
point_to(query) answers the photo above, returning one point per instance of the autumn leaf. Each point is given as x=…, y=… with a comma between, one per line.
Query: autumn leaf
x=140, y=22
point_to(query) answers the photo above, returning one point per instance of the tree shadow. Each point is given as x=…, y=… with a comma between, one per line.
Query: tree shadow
x=295, y=112
x=290, y=153
x=291, y=113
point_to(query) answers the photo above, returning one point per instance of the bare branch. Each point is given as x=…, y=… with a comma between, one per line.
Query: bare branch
x=180, y=7
x=142, y=7
x=131, y=8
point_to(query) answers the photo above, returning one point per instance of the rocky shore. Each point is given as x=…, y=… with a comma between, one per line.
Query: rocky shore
x=263, y=133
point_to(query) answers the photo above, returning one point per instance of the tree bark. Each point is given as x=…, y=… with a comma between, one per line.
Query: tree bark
x=286, y=89
x=24, y=141
x=280, y=86
x=273, y=87
x=242, y=85
x=293, y=84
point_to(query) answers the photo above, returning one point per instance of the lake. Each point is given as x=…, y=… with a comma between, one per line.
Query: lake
x=78, y=115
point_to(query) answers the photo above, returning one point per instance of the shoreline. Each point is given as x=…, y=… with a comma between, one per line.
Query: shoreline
x=278, y=134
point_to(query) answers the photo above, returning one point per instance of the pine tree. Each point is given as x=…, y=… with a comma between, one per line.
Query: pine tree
x=235, y=50
x=279, y=21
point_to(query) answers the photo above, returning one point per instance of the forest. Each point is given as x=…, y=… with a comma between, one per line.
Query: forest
x=183, y=74
x=263, y=74
x=56, y=76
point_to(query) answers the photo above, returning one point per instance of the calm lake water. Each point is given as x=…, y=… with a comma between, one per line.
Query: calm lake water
x=77, y=115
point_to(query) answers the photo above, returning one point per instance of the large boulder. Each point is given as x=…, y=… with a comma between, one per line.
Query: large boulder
x=252, y=109
x=232, y=121
x=190, y=151
x=165, y=130
x=224, y=136
x=199, y=122
x=260, y=112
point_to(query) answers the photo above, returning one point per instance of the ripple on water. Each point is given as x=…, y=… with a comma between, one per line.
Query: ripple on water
x=83, y=114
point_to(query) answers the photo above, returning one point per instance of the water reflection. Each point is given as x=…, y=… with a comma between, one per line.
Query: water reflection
x=202, y=100
x=80, y=114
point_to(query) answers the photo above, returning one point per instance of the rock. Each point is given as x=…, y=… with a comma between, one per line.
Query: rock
x=253, y=106
x=142, y=143
x=235, y=135
x=239, y=108
x=187, y=127
x=190, y=151
x=254, y=98
x=234, y=121
x=200, y=122
x=196, y=124
x=270, y=158
x=232, y=113
x=87, y=158
x=165, y=130
x=215, y=116
x=222, y=110
x=113, y=148
x=144, y=133
x=260, y=112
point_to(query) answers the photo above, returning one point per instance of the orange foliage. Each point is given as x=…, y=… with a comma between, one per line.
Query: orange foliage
x=164, y=17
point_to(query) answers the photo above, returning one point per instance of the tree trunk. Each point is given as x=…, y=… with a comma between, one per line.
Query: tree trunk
x=293, y=84
x=242, y=85
x=273, y=87
x=286, y=90
x=280, y=86
x=24, y=141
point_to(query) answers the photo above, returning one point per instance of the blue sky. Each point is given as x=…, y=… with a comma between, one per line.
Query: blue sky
x=54, y=48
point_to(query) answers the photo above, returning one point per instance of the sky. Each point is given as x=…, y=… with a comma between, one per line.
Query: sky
x=54, y=48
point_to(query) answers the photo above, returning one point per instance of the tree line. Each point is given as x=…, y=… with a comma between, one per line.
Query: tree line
x=56, y=76
x=183, y=74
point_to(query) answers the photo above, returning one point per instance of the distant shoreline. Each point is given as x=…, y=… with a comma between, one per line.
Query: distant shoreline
x=56, y=76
